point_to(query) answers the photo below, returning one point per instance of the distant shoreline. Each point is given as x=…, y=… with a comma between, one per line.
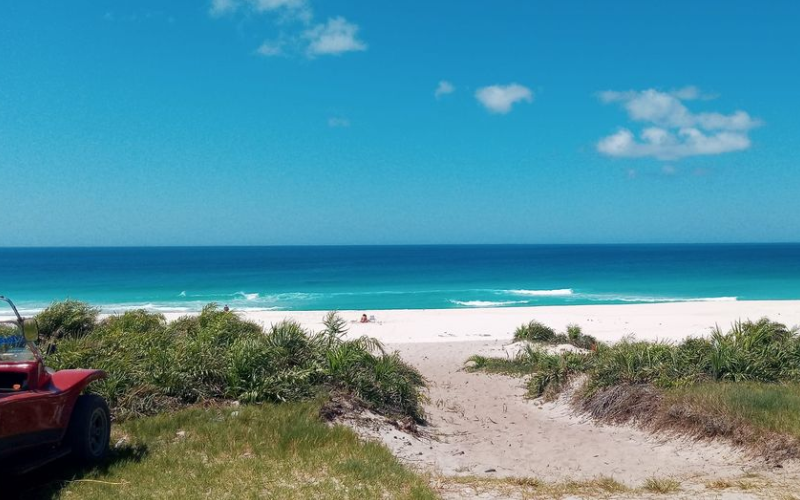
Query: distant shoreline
x=662, y=321
x=608, y=322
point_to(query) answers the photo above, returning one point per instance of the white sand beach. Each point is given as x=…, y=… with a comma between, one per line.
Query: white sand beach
x=667, y=321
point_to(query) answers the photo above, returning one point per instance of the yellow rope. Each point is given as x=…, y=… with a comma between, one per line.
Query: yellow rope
x=123, y=483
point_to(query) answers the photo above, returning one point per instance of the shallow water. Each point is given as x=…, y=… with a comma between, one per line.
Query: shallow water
x=398, y=277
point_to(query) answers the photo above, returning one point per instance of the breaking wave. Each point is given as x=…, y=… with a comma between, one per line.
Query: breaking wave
x=486, y=303
x=560, y=292
x=655, y=300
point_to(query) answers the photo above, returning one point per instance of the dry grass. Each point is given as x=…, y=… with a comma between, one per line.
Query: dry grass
x=704, y=411
x=656, y=485
x=528, y=487
x=719, y=484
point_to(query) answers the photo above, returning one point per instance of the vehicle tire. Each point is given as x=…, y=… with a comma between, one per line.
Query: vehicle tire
x=89, y=428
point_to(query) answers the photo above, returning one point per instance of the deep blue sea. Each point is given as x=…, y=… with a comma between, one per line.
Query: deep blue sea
x=397, y=277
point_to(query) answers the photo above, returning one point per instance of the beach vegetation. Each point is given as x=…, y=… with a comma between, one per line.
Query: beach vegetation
x=154, y=365
x=534, y=331
x=742, y=384
x=281, y=451
x=661, y=485
x=537, y=332
x=66, y=319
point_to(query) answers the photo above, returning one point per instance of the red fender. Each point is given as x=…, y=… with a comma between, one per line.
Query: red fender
x=73, y=382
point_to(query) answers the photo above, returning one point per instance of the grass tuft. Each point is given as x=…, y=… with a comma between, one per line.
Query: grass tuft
x=535, y=331
x=656, y=485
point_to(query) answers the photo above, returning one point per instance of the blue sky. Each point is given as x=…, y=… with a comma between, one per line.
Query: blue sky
x=342, y=122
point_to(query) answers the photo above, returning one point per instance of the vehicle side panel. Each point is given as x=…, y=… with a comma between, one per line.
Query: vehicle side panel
x=33, y=418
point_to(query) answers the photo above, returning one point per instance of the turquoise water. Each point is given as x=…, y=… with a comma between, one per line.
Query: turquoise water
x=397, y=277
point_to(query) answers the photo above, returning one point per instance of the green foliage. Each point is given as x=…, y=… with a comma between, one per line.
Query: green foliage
x=576, y=337
x=761, y=351
x=153, y=365
x=70, y=318
x=535, y=331
x=554, y=372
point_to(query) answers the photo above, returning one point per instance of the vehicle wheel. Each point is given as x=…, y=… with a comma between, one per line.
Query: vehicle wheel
x=89, y=428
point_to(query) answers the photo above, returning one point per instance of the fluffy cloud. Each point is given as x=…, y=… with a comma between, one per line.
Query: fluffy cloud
x=222, y=7
x=444, y=88
x=298, y=34
x=335, y=37
x=674, y=131
x=501, y=98
x=664, y=145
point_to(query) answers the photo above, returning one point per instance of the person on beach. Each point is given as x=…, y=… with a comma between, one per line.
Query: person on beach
x=364, y=318
x=226, y=308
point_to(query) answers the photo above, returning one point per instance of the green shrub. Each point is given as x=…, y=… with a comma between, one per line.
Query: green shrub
x=538, y=332
x=761, y=351
x=153, y=365
x=574, y=331
x=70, y=318
x=535, y=331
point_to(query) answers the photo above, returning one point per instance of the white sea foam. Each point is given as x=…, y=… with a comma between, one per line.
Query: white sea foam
x=487, y=303
x=149, y=306
x=182, y=294
x=288, y=296
x=654, y=300
x=560, y=292
x=247, y=296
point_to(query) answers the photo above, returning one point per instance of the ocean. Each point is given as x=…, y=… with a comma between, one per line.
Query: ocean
x=177, y=279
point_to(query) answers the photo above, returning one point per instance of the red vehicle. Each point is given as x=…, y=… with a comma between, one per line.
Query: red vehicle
x=43, y=413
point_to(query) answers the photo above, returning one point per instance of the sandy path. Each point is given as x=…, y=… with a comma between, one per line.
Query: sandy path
x=481, y=425
x=484, y=423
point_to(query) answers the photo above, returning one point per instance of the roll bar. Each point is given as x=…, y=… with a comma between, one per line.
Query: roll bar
x=13, y=307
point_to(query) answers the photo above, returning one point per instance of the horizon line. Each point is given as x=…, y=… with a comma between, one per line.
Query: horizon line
x=345, y=245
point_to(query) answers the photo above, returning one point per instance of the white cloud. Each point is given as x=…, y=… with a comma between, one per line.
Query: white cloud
x=338, y=122
x=688, y=93
x=674, y=131
x=270, y=49
x=267, y=5
x=288, y=9
x=334, y=37
x=294, y=20
x=664, y=145
x=298, y=8
x=222, y=7
x=501, y=98
x=444, y=88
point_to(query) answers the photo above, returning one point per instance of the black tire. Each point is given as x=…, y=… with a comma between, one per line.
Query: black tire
x=89, y=429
